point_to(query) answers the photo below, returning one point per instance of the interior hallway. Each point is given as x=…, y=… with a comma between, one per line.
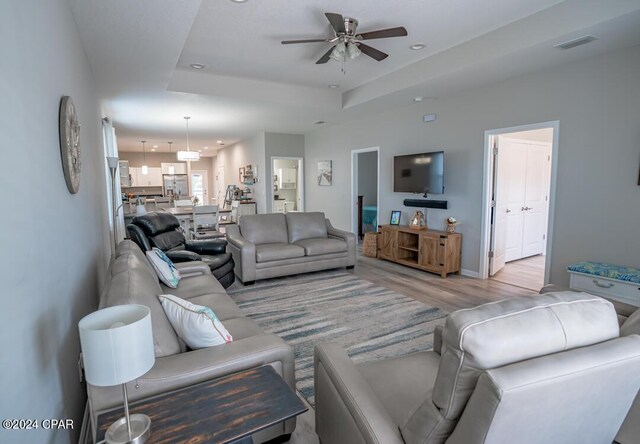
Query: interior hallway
x=526, y=273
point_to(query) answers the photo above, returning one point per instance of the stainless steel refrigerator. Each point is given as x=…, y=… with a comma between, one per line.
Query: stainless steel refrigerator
x=175, y=185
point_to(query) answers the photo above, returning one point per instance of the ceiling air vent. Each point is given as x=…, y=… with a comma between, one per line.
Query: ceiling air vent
x=576, y=42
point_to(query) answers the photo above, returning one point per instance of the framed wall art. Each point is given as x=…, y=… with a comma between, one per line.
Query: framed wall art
x=325, y=173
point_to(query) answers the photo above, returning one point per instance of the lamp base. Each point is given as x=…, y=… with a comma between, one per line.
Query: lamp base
x=140, y=430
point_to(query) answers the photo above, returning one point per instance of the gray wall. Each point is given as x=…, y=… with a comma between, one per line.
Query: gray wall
x=368, y=177
x=597, y=102
x=246, y=152
x=55, y=244
x=280, y=145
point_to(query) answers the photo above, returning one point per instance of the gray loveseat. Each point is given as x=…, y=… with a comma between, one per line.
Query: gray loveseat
x=132, y=280
x=271, y=245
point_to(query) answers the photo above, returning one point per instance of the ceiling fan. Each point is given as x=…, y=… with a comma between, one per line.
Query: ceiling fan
x=348, y=43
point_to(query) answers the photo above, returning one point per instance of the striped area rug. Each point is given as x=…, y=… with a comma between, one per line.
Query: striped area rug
x=370, y=322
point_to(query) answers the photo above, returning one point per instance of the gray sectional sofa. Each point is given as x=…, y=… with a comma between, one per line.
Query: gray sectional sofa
x=132, y=280
x=271, y=245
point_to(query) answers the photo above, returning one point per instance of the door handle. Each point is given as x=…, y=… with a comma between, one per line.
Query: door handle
x=523, y=209
x=598, y=284
x=508, y=210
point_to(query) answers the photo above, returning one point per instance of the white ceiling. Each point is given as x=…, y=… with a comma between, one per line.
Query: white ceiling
x=140, y=54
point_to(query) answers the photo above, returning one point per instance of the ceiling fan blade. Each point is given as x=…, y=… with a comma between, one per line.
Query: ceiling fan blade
x=384, y=33
x=325, y=58
x=291, y=42
x=337, y=22
x=372, y=52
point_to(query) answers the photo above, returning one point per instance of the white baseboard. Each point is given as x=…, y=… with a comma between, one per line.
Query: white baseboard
x=469, y=273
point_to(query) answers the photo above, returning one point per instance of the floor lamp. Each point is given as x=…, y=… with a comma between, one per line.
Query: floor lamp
x=113, y=167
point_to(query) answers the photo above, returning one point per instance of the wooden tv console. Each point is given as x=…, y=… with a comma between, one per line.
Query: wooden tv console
x=428, y=250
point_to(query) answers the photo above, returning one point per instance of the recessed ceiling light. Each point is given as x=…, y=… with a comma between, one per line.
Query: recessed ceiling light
x=219, y=141
x=238, y=1
x=334, y=86
x=417, y=99
x=155, y=146
x=206, y=147
x=153, y=149
x=417, y=46
x=197, y=65
x=319, y=122
x=199, y=151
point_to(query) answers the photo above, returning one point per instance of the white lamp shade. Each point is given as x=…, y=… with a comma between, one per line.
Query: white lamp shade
x=117, y=344
x=145, y=169
x=112, y=162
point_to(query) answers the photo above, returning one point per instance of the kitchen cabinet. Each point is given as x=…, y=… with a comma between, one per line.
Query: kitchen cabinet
x=153, y=179
x=179, y=167
x=123, y=168
x=287, y=178
x=283, y=206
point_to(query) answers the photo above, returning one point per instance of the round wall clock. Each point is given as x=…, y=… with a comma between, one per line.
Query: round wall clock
x=70, y=144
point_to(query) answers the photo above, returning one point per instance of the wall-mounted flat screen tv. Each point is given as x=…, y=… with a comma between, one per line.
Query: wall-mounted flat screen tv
x=419, y=173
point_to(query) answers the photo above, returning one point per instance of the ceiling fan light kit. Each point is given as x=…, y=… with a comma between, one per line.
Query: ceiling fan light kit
x=347, y=42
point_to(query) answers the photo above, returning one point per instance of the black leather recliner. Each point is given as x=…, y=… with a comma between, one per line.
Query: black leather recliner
x=160, y=229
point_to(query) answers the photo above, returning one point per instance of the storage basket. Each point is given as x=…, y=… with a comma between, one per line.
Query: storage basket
x=371, y=244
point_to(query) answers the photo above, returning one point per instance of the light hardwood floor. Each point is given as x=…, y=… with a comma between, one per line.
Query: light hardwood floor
x=450, y=294
x=526, y=273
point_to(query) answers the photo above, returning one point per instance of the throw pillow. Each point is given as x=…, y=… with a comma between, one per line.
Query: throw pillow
x=197, y=325
x=164, y=268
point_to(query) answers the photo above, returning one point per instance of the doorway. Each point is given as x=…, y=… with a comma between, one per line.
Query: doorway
x=365, y=190
x=199, y=186
x=288, y=184
x=519, y=196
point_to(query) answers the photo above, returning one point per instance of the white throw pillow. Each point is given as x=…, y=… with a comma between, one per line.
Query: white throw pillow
x=166, y=271
x=197, y=326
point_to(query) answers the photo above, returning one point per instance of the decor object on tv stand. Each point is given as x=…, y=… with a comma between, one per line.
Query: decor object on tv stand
x=117, y=347
x=418, y=221
x=69, y=128
x=451, y=224
x=395, y=217
x=428, y=250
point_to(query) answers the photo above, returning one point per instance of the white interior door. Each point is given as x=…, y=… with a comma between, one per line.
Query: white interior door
x=536, y=198
x=199, y=188
x=500, y=214
x=220, y=185
x=528, y=191
x=516, y=155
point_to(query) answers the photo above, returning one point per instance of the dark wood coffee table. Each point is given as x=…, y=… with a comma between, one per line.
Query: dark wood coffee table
x=222, y=410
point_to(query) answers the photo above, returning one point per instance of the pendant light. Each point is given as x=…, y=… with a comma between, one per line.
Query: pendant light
x=188, y=155
x=172, y=169
x=145, y=168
